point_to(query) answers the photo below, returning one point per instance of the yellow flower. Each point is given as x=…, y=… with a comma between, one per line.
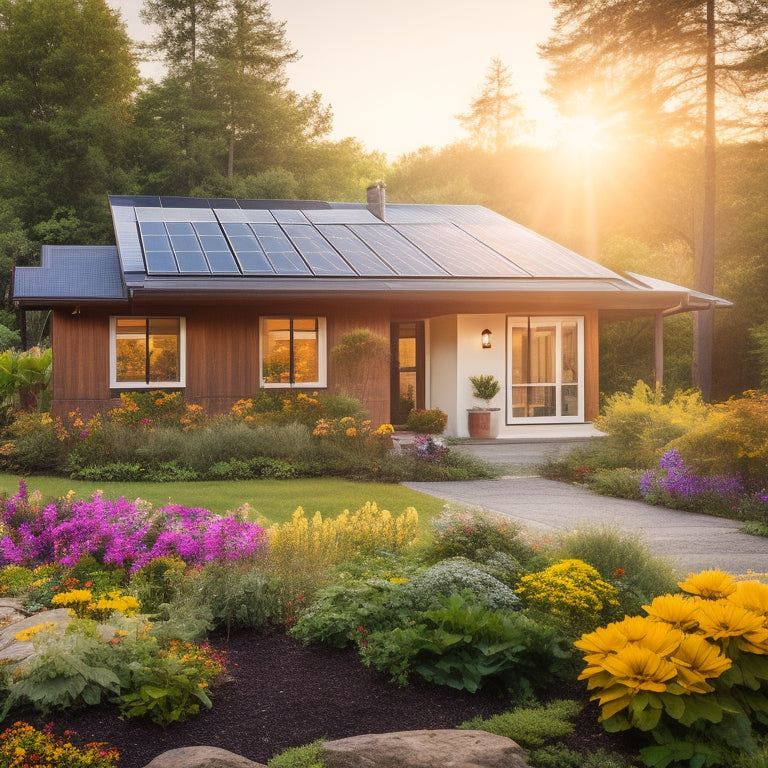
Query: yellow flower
x=722, y=619
x=697, y=659
x=711, y=585
x=640, y=669
x=678, y=610
x=751, y=595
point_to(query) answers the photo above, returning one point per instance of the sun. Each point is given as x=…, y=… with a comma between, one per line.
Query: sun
x=581, y=134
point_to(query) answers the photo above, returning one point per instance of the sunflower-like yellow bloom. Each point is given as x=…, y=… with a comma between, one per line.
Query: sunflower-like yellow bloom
x=752, y=595
x=711, y=585
x=723, y=619
x=678, y=610
x=640, y=669
x=602, y=641
x=696, y=660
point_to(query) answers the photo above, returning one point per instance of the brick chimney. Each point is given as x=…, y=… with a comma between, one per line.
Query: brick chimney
x=376, y=198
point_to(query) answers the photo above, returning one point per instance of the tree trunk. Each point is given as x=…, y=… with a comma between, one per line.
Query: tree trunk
x=704, y=267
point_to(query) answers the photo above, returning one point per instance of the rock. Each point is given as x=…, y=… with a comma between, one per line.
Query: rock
x=201, y=757
x=425, y=749
x=11, y=648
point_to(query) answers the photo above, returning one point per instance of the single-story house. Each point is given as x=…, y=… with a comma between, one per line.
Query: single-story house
x=221, y=298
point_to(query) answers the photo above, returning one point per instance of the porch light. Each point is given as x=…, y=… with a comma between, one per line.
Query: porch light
x=485, y=337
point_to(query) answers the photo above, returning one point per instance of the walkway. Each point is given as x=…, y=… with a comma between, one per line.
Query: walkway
x=691, y=541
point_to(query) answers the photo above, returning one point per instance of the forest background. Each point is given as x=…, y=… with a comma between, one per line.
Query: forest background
x=627, y=186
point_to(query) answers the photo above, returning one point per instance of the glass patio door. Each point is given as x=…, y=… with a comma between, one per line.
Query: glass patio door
x=546, y=369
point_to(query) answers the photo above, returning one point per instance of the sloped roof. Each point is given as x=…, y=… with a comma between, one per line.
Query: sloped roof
x=174, y=246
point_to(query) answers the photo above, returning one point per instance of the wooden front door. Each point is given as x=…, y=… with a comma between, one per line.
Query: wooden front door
x=407, y=380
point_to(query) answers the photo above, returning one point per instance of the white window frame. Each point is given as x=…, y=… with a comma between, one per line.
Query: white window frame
x=322, y=354
x=558, y=383
x=115, y=384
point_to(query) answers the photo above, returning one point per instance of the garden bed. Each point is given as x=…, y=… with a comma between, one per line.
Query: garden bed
x=284, y=694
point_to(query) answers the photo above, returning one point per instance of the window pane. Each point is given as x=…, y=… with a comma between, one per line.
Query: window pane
x=542, y=357
x=519, y=355
x=305, y=358
x=276, y=351
x=164, y=345
x=570, y=353
x=131, y=349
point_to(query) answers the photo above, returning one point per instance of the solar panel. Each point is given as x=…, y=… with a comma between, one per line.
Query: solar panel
x=317, y=252
x=457, y=252
x=362, y=259
x=249, y=253
x=341, y=216
x=402, y=256
x=281, y=254
x=289, y=217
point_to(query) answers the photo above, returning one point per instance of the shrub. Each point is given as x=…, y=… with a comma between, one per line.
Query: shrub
x=732, y=441
x=457, y=575
x=530, y=726
x=38, y=442
x=693, y=672
x=234, y=597
x=157, y=582
x=22, y=739
x=14, y=580
x=621, y=559
x=429, y=422
x=571, y=591
x=619, y=483
x=477, y=535
x=641, y=424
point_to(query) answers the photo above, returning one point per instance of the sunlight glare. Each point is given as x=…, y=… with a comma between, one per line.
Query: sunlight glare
x=581, y=133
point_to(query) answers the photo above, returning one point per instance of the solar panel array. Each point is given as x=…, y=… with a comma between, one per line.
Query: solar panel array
x=228, y=238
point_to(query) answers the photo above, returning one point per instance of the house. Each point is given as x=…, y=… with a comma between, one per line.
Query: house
x=220, y=298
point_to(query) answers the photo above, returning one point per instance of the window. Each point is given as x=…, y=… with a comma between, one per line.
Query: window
x=546, y=359
x=293, y=351
x=147, y=352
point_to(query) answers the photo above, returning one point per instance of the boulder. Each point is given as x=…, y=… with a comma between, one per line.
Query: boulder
x=425, y=749
x=201, y=757
x=18, y=650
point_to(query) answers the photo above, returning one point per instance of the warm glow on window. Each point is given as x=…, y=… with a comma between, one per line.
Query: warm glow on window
x=292, y=351
x=147, y=351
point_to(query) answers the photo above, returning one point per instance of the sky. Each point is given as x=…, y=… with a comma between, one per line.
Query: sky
x=397, y=72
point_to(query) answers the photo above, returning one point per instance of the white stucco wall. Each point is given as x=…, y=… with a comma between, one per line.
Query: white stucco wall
x=455, y=355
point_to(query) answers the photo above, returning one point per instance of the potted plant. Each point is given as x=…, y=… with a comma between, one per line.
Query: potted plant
x=481, y=420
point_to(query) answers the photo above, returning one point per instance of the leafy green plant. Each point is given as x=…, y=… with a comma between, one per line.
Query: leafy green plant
x=530, y=726
x=485, y=387
x=67, y=668
x=427, y=422
x=465, y=646
x=358, y=359
x=337, y=612
x=165, y=690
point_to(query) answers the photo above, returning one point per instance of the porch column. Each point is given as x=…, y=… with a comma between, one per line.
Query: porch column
x=658, y=348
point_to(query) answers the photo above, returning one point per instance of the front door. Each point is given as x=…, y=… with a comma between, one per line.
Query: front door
x=407, y=380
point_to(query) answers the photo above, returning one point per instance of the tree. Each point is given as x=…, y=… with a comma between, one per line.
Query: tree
x=225, y=101
x=650, y=69
x=495, y=117
x=67, y=74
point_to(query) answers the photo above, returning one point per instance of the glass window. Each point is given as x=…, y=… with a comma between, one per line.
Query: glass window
x=147, y=351
x=546, y=362
x=293, y=351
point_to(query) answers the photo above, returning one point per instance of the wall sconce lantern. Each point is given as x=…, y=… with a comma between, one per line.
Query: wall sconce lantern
x=486, y=339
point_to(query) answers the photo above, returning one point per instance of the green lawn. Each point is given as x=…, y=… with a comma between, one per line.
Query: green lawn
x=273, y=500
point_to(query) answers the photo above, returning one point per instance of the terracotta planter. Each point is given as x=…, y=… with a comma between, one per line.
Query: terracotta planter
x=483, y=423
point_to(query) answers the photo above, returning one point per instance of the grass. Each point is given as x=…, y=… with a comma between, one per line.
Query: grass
x=273, y=500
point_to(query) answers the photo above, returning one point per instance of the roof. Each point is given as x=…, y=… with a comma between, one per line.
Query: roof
x=176, y=246
x=72, y=272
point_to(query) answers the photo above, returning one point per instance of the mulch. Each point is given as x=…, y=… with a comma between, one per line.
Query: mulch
x=283, y=694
